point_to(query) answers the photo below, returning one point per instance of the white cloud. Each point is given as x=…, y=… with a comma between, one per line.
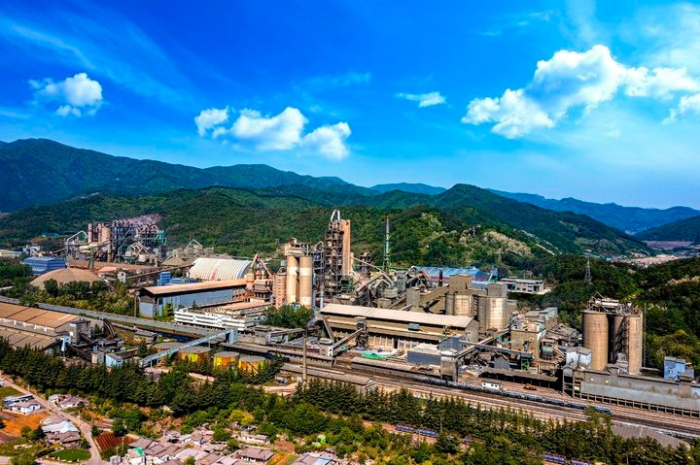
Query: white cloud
x=689, y=105
x=281, y=132
x=76, y=96
x=573, y=80
x=207, y=119
x=329, y=140
x=425, y=100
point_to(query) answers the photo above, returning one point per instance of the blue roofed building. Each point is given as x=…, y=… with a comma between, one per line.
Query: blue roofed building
x=41, y=265
x=437, y=273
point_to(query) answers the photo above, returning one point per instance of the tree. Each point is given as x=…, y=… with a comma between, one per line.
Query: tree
x=118, y=427
x=25, y=458
x=190, y=461
x=95, y=431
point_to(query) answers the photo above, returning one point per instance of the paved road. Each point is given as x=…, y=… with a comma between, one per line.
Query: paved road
x=85, y=428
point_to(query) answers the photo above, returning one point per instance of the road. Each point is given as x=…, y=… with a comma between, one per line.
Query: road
x=85, y=428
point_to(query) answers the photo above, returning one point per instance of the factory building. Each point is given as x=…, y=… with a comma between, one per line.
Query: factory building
x=612, y=386
x=442, y=275
x=41, y=265
x=219, y=269
x=155, y=299
x=675, y=368
x=395, y=329
x=614, y=334
x=526, y=286
x=239, y=315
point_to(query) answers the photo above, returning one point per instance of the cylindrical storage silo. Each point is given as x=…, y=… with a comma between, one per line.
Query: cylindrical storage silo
x=224, y=359
x=635, y=342
x=595, y=337
x=617, y=343
x=450, y=303
x=251, y=363
x=305, y=277
x=196, y=354
x=249, y=279
x=292, y=270
x=463, y=305
x=498, y=311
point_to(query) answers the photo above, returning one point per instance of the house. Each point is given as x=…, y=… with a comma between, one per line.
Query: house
x=255, y=454
x=26, y=407
x=254, y=438
x=314, y=459
x=65, y=401
x=68, y=440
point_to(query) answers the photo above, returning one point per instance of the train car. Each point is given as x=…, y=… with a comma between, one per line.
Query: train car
x=578, y=406
x=555, y=402
x=427, y=432
x=605, y=410
x=405, y=428
x=580, y=462
x=552, y=457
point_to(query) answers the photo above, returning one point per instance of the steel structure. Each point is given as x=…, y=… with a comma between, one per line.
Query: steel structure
x=231, y=336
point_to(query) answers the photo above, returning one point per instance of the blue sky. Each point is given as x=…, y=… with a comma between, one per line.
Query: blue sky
x=595, y=101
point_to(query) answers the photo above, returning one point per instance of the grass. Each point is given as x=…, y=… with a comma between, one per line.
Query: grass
x=7, y=391
x=71, y=455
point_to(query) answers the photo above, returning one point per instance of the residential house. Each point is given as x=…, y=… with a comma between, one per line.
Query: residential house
x=255, y=454
x=26, y=407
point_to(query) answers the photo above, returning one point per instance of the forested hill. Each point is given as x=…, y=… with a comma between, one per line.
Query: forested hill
x=415, y=188
x=41, y=171
x=464, y=225
x=684, y=230
x=629, y=219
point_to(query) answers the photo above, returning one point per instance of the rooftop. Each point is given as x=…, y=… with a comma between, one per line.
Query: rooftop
x=190, y=288
x=396, y=315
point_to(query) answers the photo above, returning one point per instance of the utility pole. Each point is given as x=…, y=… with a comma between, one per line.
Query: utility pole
x=387, y=251
x=304, y=366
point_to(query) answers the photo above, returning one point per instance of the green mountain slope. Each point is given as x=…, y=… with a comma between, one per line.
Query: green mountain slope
x=40, y=171
x=629, y=219
x=460, y=226
x=414, y=188
x=684, y=230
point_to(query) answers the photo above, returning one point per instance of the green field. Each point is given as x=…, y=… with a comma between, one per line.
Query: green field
x=71, y=455
x=8, y=391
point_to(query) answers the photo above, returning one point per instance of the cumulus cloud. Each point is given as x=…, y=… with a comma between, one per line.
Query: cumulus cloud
x=329, y=140
x=281, y=132
x=689, y=105
x=208, y=119
x=76, y=96
x=424, y=100
x=573, y=80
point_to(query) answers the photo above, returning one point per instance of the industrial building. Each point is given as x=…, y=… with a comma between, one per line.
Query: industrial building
x=614, y=333
x=239, y=315
x=218, y=269
x=394, y=329
x=612, y=386
x=41, y=265
x=526, y=286
x=154, y=300
x=130, y=240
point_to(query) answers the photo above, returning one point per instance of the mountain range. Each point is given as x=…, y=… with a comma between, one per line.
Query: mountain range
x=39, y=172
x=632, y=220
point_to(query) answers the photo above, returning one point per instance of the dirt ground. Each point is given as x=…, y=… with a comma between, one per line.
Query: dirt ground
x=15, y=422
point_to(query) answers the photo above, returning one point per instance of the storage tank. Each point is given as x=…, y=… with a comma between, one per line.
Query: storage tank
x=224, y=359
x=196, y=354
x=305, y=277
x=450, y=303
x=595, y=337
x=251, y=363
x=463, y=305
x=249, y=279
x=617, y=342
x=635, y=342
x=292, y=270
x=498, y=307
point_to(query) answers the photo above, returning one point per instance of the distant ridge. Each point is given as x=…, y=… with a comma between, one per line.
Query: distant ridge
x=683, y=230
x=42, y=171
x=413, y=188
x=631, y=220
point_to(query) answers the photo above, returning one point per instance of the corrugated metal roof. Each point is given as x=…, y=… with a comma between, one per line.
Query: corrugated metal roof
x=447, y=271
x=219, y=269
x=397, y=315
x=190, y=288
